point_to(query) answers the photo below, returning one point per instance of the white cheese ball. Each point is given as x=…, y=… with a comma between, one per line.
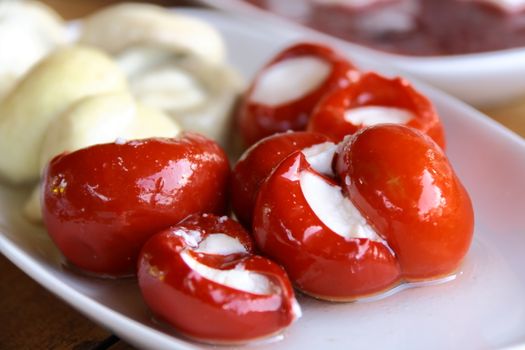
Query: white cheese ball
x=102, y=119
x=198, y=94
x=29, y=30
x=51, y=87
x=118, y=27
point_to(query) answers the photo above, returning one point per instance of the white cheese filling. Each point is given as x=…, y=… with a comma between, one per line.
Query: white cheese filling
x=372, y=115
x=320, y=157
x=220, y=244
x=290, y=80
x=334, y=210
x=236, y=278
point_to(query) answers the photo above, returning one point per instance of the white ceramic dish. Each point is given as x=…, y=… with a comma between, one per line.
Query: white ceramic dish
x=483, y=308
x=483, y=80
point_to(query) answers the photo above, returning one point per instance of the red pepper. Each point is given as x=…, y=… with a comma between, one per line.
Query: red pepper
x=257, y=163
x=374, y=90
x=206, y=309
x=101, y=203
x=408, y=191
x=403, y=187
x=258, y=120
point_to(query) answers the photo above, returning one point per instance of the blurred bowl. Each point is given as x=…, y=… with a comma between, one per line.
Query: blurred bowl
x=483, y=79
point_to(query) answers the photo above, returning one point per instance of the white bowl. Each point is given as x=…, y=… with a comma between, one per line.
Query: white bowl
x=481, y=79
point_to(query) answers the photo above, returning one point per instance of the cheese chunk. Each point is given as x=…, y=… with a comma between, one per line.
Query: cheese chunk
x=47, y=91
x=236, y=278
x=372, y=115
x=336, y=211
x=104, y=118
x=118, y=27
x=197, y=94
x=29, y=30
x=320, y=157
x=290, y=80
x=221, y=244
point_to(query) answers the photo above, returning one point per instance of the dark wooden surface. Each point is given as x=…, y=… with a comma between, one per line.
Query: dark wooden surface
x=33, y=318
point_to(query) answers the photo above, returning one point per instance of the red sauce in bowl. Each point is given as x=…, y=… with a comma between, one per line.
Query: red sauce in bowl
x=410, y=27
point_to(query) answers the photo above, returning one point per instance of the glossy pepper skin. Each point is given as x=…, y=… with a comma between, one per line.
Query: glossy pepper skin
x=201, y=308
x=257, y=120
x=405, y=186
x=371, y=89
x=101, y=203
x=402, y=184
x=320, y=262
x=257, y=163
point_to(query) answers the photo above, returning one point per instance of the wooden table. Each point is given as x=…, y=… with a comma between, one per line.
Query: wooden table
x=33, y=318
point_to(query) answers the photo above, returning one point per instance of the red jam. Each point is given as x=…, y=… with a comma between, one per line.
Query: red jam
x=410, y=27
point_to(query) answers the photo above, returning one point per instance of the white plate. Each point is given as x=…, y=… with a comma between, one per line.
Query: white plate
x=483, y=308
x=481, y=79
